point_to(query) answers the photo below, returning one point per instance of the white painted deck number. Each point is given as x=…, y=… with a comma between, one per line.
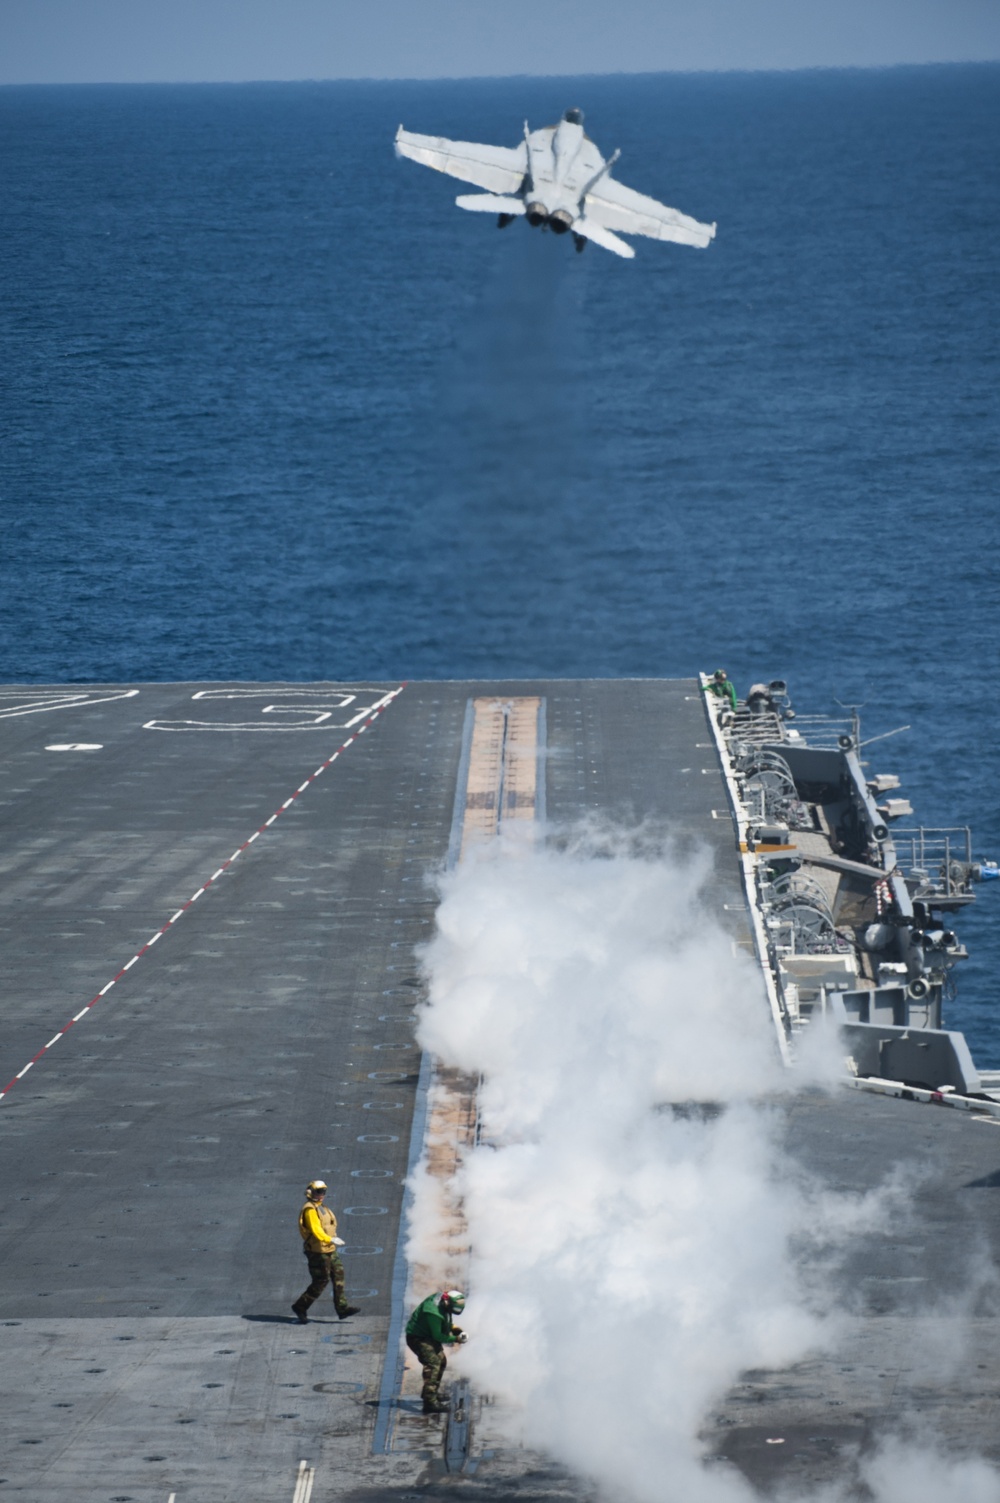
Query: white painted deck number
x=278, y=710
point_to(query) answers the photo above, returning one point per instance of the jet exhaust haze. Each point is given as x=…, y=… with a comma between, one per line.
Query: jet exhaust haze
x=636, y=1226
x=512, y=484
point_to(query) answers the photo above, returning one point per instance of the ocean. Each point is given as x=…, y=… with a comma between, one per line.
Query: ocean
x=272, y=408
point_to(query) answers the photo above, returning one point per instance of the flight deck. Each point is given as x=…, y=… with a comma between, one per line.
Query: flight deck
x=212, y=902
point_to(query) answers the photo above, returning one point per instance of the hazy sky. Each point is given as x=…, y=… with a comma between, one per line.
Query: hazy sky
x=94, y=41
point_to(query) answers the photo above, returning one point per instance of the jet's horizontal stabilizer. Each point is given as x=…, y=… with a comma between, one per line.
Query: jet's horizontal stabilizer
x=590, y=230
x=490, y=203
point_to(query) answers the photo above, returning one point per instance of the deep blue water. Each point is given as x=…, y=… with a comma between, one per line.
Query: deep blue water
x=273, y=408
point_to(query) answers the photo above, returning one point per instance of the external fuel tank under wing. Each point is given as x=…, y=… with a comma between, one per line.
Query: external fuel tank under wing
x=557, y=179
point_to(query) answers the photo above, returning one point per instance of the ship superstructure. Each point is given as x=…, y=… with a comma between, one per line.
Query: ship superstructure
x=852, y=905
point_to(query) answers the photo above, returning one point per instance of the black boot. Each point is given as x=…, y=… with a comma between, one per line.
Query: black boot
x=349, y=1310
x=299, y=1311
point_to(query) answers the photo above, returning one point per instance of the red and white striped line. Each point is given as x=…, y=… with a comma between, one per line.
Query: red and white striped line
x=382, y=705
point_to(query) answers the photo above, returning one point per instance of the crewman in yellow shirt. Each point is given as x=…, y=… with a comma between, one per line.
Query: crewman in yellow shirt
x=320, y=1243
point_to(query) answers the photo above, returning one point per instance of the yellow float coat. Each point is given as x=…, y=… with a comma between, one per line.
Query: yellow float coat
x=318, y=1227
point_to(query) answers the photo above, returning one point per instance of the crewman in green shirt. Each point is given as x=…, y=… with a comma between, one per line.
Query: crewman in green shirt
x=428, y=1331
x=321, y=1245
x=720, y=686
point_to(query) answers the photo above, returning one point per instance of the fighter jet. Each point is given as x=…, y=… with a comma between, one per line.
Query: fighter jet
x=555, y=178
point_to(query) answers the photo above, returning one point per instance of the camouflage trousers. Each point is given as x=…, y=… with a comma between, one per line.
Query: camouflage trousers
x=433, y=1361
x=325, y=1268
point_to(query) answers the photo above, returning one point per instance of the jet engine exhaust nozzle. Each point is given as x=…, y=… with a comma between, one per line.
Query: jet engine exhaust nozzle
x=560, y=221
x=536, y=214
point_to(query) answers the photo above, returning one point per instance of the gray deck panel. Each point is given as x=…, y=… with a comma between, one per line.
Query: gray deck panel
x=201, y=1093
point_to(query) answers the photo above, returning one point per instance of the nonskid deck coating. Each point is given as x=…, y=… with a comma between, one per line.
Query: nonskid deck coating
x=156, y=1154
x=155, y=1157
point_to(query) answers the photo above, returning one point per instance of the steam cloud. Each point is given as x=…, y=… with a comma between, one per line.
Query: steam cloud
x=629, y=1259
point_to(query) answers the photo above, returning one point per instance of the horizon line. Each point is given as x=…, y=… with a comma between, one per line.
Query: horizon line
x=194, y=83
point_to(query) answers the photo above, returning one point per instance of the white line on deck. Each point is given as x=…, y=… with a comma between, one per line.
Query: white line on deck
x=26, y=703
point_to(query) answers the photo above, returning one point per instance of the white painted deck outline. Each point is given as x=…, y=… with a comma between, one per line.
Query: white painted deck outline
x=374, y=712
x=313, y=708
x=29, y=702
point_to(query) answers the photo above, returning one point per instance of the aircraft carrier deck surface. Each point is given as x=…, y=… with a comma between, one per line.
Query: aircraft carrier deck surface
x=263, y=851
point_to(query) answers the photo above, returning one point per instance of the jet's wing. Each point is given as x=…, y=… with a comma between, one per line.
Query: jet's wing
x=619, y=208
x=500, y=169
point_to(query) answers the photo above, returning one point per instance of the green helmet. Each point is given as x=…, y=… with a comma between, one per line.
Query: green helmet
x=455, y=1300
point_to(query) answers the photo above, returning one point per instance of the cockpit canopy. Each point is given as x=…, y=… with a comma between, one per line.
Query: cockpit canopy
x=575, y=117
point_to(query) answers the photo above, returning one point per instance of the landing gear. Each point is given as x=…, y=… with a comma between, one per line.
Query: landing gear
x=504, y=220
x=579, y=241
